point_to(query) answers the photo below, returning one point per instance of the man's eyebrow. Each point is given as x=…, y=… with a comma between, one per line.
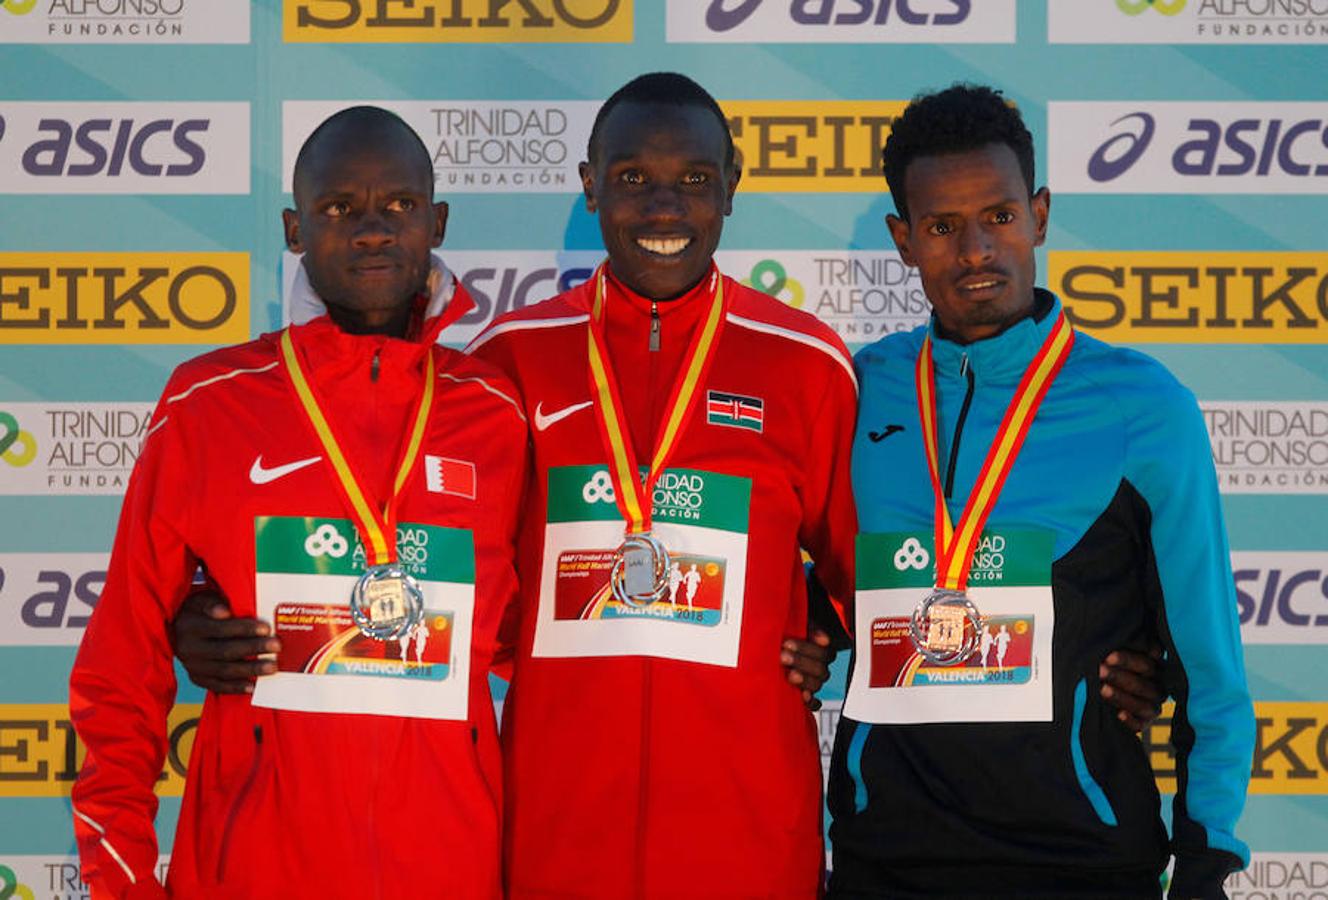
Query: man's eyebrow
x=937, y=214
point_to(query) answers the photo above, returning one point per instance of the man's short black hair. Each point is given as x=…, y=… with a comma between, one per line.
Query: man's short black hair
x=369, y=121
x=665, y=88
x=959, y=119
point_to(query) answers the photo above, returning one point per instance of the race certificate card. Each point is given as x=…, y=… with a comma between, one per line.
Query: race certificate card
x=701, y=518
x=1007, y=675
x=306, y=568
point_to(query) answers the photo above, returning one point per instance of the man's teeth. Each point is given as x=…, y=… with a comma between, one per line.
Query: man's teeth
x=980, y=285
x=663, y=246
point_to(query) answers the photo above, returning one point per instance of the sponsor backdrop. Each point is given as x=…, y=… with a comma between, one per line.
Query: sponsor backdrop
x=145, y=154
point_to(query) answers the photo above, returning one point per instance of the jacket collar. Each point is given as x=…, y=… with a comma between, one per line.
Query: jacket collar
x=630, y=299
x=446, y=302
x=1002, y=357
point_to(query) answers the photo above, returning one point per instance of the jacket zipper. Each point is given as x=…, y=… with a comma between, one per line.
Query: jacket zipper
x=967, y=371
x=373, y=366
x=240, y=796
x=643, y=786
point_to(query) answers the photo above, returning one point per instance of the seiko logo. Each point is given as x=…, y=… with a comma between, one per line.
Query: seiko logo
x=159, y=298
x=1223, y=297
x=471, y=20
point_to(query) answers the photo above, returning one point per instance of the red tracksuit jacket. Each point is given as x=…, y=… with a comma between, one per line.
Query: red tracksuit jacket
x=665, y=755
x=284, y=803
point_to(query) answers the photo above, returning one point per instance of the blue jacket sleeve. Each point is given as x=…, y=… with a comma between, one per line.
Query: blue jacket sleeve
x=1170, y=462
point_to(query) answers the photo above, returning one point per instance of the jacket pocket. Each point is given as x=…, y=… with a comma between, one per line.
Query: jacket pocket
x=234, y=813
x=1087, y=783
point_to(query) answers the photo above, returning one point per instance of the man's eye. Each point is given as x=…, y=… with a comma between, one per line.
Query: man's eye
x=337, y=209
x=632, y=176
x=695, y=178
x=1004, y=217
x=402, y=205
x=940, y=229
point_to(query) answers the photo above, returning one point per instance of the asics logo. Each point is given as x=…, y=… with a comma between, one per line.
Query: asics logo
x=543, y=421
x=912, y=555
x=1123, y=150
x=326, y=541
x=599, y=489
x=260, y=475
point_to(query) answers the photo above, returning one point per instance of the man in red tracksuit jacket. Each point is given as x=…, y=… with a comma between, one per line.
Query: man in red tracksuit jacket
x=659, y=752
x=386, y=786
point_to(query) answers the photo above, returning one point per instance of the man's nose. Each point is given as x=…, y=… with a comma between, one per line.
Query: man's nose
x=665, y=202
x=374, y=230
x=975, y=245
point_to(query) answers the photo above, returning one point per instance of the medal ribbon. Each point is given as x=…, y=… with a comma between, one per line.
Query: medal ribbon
x=377, y=527
x=955, y=546
x=632, y=497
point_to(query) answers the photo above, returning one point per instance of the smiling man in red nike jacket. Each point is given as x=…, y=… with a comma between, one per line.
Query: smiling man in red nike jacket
x=652, y=745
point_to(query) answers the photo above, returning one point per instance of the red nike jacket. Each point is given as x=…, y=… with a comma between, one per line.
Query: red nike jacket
x=663, y=753
x=287, y=803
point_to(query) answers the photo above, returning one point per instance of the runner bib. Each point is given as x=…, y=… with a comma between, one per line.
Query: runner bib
x=1008, y=679
x=702, y=517
x=306, y=567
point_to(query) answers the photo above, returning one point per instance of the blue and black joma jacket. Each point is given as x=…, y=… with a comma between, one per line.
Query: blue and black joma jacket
x=1117, y=466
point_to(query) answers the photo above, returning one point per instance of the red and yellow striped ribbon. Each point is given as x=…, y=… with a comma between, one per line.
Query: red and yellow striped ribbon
x=377, y=526
x=632, y=497
x=955, y=545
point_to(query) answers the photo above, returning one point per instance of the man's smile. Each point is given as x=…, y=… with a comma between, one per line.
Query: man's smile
x=663, y=246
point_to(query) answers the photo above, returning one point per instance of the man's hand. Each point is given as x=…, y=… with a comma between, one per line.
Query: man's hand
x=1132, y=683
x=217, y=650
x=807, y=664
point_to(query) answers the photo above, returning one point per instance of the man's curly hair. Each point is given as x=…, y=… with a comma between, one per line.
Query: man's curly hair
x=961, y=118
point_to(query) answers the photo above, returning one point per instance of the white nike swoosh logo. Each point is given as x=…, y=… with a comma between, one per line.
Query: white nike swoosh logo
x=542, y=421
x=260, y=475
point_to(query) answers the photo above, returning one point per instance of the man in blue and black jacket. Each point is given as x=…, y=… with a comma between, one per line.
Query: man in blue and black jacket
x=1079, y=512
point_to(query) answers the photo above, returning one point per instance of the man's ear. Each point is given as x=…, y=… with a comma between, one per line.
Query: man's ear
x=290, y=223
x=735, y=176
x=1040, y=203
x=439, y=222
x=587, y=173
x=900, y=231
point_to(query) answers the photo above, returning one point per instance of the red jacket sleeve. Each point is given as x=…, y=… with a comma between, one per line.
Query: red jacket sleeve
x=830, y=521
x=123, y=681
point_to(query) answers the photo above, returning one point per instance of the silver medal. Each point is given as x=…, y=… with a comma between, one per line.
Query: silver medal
x=386, y=602
x=945, y=626
x=640, y=574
